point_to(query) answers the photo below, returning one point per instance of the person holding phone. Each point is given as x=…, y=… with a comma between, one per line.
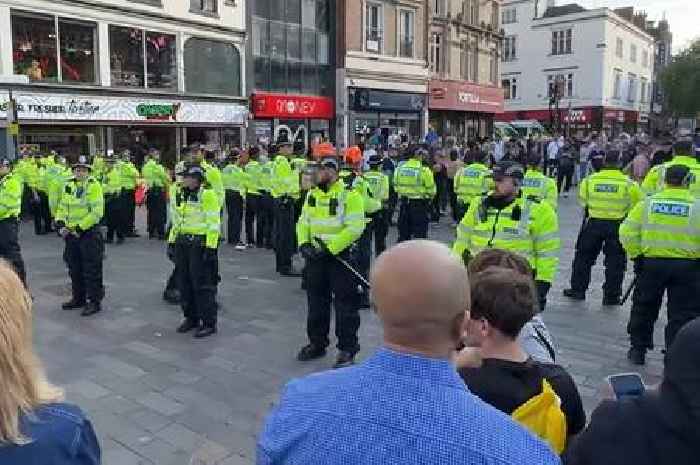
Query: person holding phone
x=658, y=427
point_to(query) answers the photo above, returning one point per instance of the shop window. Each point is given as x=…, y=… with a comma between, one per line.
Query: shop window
x=212, y=67
x=406, y=33
x=142, y=58
x=161, y=69
x=36, y=48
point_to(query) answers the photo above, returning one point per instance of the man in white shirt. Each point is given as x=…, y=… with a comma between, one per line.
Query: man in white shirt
x=552, y=152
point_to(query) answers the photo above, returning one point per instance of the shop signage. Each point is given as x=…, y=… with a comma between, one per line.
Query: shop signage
x=578, y=115
x=463, y=96
x=378, y=100
x=292, y=106
x=64, y=107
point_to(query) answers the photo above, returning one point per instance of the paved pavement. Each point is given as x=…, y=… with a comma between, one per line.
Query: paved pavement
x=157, y=397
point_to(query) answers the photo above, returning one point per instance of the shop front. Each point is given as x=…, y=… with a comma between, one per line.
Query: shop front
x=82, y=124
x=616, y=121
x=462, y=111
x=303, y=118
x=386, y=118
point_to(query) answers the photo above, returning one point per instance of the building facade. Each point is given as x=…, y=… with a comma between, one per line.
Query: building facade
x=91, y=76
x=291, y=70
x=382, y=74
x=575, y=69
x=465, y=42
x=661, y=31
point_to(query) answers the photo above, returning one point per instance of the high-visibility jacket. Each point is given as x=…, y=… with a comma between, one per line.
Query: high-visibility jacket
x=98, y=167
x=609, y=194
x=10, y=196
x=233, y=178
x=265, y=180
x=335, y=217
x=253, y=172
x=81, y=204
x=195, y=213
x=45, y=171
x=472, y=181
x=112, y=181
x=527, y=227
x=155, y=175
x=359, y=184
x=215, y=181
x=412, y=180
x=57, y=176
x=655, y=179
x=378, y=184
x=298, y=163
x=538, y=186
x=664, y=225
x=284, y=180
x=129, y=175
x=28, y=171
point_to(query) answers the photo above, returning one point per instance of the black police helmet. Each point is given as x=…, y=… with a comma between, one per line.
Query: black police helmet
x=508, y=169
x=677, y=175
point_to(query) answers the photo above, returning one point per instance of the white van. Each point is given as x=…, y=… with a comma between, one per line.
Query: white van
x=530, y=127
x=505, y=131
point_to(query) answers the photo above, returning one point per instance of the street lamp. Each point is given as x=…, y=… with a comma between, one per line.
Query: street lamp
x=12, y=128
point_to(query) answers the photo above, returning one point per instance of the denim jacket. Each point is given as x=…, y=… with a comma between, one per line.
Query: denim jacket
x=60, y=435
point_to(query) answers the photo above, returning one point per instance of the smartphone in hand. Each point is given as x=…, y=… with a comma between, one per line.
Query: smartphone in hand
x=626, y=385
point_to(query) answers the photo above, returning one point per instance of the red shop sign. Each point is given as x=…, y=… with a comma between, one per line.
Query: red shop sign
x=464, y=96
x=292, y=106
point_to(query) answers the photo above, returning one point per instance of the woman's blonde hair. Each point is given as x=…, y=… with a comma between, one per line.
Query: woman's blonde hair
x=23, y=384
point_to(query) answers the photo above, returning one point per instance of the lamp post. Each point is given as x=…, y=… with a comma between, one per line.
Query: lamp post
x=12, y=127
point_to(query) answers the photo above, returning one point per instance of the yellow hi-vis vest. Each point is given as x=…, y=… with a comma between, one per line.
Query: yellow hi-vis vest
x=538, y=186
x=472, y=181
x=412, y=180
x=196, y=213
x=609, y=194
x=81, y=204
x=10, y=196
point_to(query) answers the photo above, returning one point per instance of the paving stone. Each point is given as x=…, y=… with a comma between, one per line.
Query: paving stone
x=160, y=403
x=88, y=389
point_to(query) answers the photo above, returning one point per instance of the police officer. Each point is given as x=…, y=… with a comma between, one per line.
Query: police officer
x=505, y=219
x=607, y=197
x=114, y=217
x=80, y=209
x=10, y=206
x=415, y=187
x=253, y=216
x=682, y=155
x=538, y=186
x=171, y=294
x=130, y=176
x=195, y=235
x=156, y=179
x=284, y=188
x=265, y=213
x=662, y=236
x=379, y=187
x=472, y=181
x=41, y=209
x=213, y=177
x=332, y=219
x=233, y=179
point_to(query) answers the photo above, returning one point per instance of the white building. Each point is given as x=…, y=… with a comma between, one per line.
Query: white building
x=110, y=75
x=604, y=62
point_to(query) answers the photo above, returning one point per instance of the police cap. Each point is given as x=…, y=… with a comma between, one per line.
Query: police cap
x=81, y=163
x=194, y=171
x=329, y=162
x=508, y=169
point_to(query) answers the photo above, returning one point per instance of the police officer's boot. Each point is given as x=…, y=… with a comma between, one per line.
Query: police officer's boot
x=574, y=294
x=172, y=296
x=637, y=355
x=311, y=352
x=344, y=359
x=91, y=308
x=73, y=304
x=611, y=301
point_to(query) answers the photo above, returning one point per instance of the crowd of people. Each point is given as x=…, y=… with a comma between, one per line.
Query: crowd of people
x=465, y=345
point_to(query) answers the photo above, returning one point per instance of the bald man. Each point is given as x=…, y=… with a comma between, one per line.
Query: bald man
x=406, y=404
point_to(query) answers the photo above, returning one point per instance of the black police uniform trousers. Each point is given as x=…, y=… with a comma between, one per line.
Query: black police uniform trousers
x=379, y=228
x=680, y=279
x=114, y=217
x=9, y=246
x=41, y=213
x=285, y=234
x=252, y=203
x=197, y=280
x=129, y=202
x=329, y=282
x=83, y=255
x=597, y=234
x=264, y=220
x=413, y=219
x=234, y=216
x=155, y=211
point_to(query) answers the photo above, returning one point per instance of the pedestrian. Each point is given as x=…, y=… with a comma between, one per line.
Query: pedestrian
x=389, y=163
x=115, y=208
x=253, y=221
x=607, y=198
x=129, y=176
x=10, y=207
x=284, y=190
x=331, y=222
x=662, y=236
x=552, y=154
x=565, y=170
x=505, y=219
x=415, y=187
x=233, y=178
x=80, y=209
x=439, y=202
x=171, y=294
x=660, y=427
x=538, y=186
x=265, y=215
x=195, y=235
x=156, y=179
x=379, y=187
x=36, y=426
x=502, y=302
x=405, y=404
x=40, y=201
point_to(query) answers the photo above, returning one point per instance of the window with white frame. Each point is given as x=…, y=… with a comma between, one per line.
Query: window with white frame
x=373, y=28
x=631, y=87
x=436, y=60
x=406, y=33
x=645, y=58
x=617, y=84
x=643, y=90
x=567, y=82
x=509, y=48
x=619, y=47
x=509, y=16
x=561, y=42
x=633, y=53
x=510, y=88
x=204, y=6
x=439, y=7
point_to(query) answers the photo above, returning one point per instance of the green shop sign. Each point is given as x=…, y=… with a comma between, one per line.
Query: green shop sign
x=158, y=111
